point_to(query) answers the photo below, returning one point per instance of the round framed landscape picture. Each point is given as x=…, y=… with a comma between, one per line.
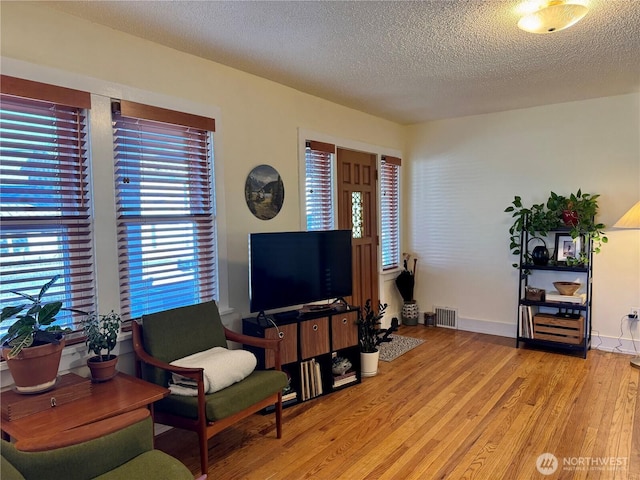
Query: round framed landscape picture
x=264, y=192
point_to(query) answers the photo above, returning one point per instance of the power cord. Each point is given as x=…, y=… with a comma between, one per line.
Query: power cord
x=617, y=347
x=280, y=334
x=633, y=341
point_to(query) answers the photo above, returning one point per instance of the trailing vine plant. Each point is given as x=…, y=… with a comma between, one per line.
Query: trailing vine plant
x=576, y=212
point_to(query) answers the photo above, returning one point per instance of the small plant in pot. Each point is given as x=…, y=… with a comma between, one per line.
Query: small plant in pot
x=575, y=213
x=102, y=337
x=32, y=345
x=578, y=212
x=370, y=336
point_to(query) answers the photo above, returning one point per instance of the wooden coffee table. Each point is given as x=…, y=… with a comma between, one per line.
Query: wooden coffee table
x=121, y=394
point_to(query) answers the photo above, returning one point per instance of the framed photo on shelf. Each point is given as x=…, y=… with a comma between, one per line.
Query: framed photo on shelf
x=567, y=247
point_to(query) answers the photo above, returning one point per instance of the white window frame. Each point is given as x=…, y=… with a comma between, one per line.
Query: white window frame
x=398, y=261
x=75, y=288
x=160, y=223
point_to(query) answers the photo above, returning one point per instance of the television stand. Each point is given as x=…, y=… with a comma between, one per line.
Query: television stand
x=311, y=342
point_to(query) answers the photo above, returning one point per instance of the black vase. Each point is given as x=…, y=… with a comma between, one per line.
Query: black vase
x=540, y=255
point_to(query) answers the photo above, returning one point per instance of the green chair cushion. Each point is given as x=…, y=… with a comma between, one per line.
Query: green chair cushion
x=179, y=332
x=84, y=460
x=8, y=471
x=256, y=387
x=155, y=465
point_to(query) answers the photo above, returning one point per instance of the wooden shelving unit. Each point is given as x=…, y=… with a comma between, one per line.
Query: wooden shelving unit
x=310, y=342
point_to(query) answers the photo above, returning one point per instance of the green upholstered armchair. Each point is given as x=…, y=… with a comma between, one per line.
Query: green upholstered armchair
x=117, y=448
x=167, y=336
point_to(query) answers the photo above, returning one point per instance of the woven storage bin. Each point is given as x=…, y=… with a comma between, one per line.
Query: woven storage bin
x=558, y=329
x=535, y=294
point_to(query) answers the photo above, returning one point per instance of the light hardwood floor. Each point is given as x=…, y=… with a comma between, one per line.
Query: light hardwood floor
x=459, y=406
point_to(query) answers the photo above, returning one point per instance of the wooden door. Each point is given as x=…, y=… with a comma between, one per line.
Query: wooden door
x=357, y=211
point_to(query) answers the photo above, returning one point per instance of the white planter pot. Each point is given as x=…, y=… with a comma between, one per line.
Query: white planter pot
x=369, y=363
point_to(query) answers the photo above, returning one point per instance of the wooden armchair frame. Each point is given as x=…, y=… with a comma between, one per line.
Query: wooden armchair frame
x=201, y=425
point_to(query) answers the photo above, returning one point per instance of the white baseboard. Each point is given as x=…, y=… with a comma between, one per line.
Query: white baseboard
x=487, y=326
x=613, y=344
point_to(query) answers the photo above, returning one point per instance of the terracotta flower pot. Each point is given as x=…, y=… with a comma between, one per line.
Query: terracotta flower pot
x=35, y=369
x=102, y=370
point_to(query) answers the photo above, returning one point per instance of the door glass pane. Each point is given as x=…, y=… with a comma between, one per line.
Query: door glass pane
x=356, y=214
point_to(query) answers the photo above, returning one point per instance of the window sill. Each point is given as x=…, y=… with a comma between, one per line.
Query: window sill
x=393, y=272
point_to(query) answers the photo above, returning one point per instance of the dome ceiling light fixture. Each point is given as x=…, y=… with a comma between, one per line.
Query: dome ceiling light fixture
x=553, y=16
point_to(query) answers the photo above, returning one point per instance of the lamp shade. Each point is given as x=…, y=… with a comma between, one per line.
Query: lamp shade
x=554, y=17
x=631, y=219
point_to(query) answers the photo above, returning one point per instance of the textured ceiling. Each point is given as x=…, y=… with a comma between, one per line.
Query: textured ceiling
x=405, y=61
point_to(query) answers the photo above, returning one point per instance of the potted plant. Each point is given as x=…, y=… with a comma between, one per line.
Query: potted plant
x=102, y=336
x=576, y=213
x=32, y=345
x=370, y=335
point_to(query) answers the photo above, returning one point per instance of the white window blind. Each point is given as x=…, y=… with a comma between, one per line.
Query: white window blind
x=165, y=209
x=390, y=212
x=319, y=185
x=44, y=197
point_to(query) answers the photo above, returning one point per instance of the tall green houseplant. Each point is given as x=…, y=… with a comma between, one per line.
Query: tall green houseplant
x=370, y=333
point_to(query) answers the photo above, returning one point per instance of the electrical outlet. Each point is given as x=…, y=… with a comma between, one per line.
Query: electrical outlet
x=634, y=312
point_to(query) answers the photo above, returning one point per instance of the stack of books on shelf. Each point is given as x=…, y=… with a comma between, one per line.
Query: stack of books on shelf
x=344, y=379
x=526, y=320
x=310, y=379
x=578, y=298
x=289, y=393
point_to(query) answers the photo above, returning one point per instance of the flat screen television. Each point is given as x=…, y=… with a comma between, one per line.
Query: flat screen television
x=295, y=268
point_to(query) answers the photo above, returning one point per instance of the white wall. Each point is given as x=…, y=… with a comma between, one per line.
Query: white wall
x=464, y=172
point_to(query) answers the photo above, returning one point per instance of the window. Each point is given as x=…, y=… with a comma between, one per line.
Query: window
x=165, y=209
x=44, y=196
x=390, y=211
x=319, y=185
